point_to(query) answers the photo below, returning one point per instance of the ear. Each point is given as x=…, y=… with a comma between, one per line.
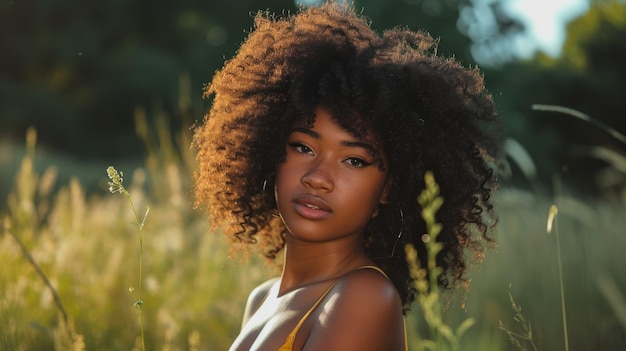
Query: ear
x=386, y=190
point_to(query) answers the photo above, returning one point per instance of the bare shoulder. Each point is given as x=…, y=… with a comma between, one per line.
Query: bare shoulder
x=368, y=285
x=363, y=312
x=256, y=298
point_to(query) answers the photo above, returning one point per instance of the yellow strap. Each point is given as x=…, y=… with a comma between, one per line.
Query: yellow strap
x=376, y=268
x=291, y=338
x=288, y=345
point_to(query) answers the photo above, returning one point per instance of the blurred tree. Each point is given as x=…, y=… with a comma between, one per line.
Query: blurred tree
x=470, y=30
x=439, y=18
x=589, y=76
x=77, y=70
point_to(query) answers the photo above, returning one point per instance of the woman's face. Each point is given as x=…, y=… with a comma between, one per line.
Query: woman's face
x=330, y=184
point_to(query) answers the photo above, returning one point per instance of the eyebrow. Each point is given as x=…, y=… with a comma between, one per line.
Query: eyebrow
x=349, y=143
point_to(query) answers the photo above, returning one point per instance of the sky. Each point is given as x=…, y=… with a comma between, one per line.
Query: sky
x=546, y=21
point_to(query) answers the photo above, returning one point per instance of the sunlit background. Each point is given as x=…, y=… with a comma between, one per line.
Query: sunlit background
x=85, y=85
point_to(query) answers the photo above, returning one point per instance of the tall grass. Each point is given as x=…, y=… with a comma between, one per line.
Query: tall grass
x=85, y=245
x=87, y=250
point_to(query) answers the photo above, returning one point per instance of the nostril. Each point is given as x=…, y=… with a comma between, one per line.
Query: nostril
x=317, y=179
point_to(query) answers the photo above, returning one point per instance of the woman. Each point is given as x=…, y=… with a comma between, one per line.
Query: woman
x=315, y=149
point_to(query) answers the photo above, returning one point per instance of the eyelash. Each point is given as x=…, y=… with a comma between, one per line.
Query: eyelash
x=303, y=149
x=362, y=162
x=299, y=147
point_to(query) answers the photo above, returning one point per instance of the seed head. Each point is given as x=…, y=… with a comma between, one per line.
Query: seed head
x=115, y=185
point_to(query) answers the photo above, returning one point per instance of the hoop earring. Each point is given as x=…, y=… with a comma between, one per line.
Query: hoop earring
x=265, y=188
x=393, y=251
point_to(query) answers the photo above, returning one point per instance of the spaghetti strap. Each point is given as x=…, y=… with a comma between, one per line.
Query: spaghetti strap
x=291, y=338
x=376, y=268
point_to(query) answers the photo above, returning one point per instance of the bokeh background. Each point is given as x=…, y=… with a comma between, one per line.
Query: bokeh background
x=85, y=85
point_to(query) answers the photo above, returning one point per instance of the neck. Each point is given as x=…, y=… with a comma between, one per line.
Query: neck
x=308, y=263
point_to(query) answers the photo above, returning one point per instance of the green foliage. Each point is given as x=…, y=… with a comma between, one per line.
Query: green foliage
x=426, y=278
x=594, y=39
x=587, y=77
x=527, y=259
x=76, y=70
x=194, y=291
x=439, y=18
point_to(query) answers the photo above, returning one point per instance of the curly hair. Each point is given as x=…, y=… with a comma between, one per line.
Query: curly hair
x=430, y=114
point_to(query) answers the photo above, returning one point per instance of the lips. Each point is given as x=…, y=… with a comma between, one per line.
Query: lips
x=311, y=207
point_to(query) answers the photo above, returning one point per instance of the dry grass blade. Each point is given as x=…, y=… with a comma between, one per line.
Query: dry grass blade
x=44, y=278
x=522, y=158
x=615, y=159
x=574, y=113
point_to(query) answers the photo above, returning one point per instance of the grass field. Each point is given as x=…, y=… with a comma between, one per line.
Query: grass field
x=86, y=247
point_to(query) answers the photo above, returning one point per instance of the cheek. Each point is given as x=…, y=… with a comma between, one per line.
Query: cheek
x=367, y=194
x=282, y=182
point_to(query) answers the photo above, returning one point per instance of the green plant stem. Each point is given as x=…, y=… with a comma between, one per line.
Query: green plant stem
x=561, y=284
x=140, y=239
x=143, y=343
x=139, y=303
x=116, y=186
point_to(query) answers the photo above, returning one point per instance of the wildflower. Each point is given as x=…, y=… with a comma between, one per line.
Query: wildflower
x=115, y=185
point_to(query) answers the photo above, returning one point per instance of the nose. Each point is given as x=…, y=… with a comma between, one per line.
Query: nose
x=319, y=175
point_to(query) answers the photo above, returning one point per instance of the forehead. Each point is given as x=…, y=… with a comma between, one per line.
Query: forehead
x=351, y=124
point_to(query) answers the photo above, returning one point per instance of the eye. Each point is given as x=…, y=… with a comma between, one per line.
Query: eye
x=357, y=162
x=300, y=147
